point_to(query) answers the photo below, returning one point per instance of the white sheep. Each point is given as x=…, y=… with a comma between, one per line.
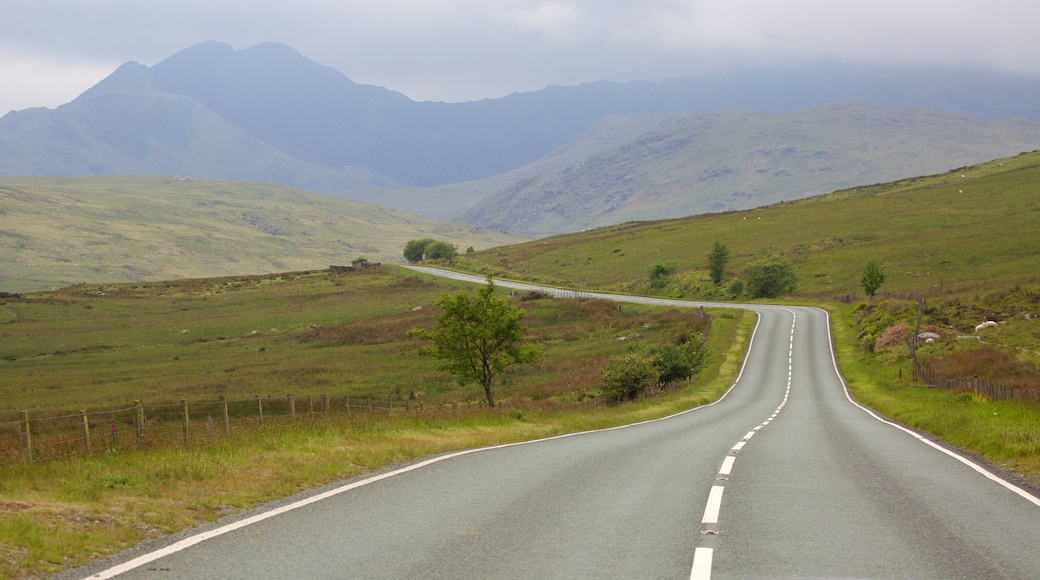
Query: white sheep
x=987, y=324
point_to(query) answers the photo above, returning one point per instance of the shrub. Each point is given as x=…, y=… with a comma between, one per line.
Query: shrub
x=676, y=362
x=626, y=376
x=770, y=278
x=439, y=250
x=415, y=250
x=659, y=274
x=736, y=288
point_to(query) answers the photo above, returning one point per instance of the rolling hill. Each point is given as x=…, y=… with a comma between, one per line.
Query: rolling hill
x=60, y=231
x=958, y=231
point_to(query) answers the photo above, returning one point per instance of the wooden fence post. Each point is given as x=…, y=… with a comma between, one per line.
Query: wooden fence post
x=325, y=404
x=310, y=407
x=184, y=419
x=292, y=407
x=139, y=423
x=26, y=436
x=260, y=408
x=86, y=429
x=224, y=415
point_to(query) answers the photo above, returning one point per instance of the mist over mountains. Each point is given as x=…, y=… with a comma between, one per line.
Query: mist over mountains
x=269, y=114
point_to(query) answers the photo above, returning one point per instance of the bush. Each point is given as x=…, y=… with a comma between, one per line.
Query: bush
x=441, y=251
x=770, y=278
x=676, y=362
x=415, y=250
x=627, y=375
x=736, y=288
x=659, y=274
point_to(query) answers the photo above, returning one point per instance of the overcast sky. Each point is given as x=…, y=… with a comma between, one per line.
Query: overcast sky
x=454, y=50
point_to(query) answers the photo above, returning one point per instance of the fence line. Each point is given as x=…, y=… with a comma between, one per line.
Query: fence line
x=992, y=391
x=133, y=428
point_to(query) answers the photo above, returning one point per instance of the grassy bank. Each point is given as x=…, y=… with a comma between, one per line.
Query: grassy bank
x=1005, y=433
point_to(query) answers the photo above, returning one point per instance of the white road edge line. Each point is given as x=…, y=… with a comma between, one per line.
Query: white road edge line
x=986, y=473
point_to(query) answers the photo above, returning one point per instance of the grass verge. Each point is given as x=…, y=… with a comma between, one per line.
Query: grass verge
x=1004, y=433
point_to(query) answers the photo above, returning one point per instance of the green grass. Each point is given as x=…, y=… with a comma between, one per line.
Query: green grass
x=63, y=513
x=61, y=231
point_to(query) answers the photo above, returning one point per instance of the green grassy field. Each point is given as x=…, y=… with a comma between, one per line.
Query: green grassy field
x=58, y=231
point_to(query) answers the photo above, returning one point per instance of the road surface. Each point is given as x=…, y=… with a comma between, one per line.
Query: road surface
x=785, y=477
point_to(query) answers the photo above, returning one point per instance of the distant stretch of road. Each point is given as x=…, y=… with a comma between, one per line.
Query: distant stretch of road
x=785, y=477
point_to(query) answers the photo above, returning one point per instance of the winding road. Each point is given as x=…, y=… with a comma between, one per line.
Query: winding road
x=784, y=477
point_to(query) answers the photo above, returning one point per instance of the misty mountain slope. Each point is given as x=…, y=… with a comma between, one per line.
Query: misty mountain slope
x=448, y=202
x=738, y=160
x=325, y=122
x=127, y=126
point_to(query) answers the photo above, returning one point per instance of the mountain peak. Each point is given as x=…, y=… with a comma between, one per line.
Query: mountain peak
x=130, y=77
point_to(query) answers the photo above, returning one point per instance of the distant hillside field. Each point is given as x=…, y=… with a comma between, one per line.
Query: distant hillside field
x=60, y=231
x=963, y=229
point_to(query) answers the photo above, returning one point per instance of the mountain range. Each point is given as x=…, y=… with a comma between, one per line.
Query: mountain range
x=609, y=151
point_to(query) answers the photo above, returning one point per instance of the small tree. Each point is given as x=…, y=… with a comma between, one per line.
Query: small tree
x=873, y=278
x=770, y=278
x=627, y=375
x=439, y=250
x=675, y=362
x=718, y=259
x=659, y=274
x=477, y=339
x=415, y=250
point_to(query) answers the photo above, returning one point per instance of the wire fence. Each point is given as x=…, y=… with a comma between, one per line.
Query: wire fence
x=143, y=426
x=991, y=391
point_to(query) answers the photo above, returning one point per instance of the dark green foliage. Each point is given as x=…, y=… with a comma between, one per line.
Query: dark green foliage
x=627, y=375
x=415, y=250
x=676, y=362
x=770, y=278
x=439, y=250
x=736, y=287
x=718, y=259
x=659, y=274
x=873, y=278
x=477, y=338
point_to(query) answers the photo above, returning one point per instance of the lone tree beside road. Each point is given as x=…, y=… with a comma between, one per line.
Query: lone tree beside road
x=717, y=261
x=873, y=278
x=477, y=338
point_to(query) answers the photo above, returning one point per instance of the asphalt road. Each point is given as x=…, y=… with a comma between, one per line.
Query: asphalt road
x=785, y=477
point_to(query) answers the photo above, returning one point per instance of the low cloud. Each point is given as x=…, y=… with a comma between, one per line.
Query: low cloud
x=470, y=49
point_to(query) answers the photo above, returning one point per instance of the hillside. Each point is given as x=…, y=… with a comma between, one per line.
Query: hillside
x=739, y=160
x=952, y=232
x=60, y=231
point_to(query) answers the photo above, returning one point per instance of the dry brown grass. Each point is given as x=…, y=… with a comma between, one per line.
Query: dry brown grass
x=985, y=363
